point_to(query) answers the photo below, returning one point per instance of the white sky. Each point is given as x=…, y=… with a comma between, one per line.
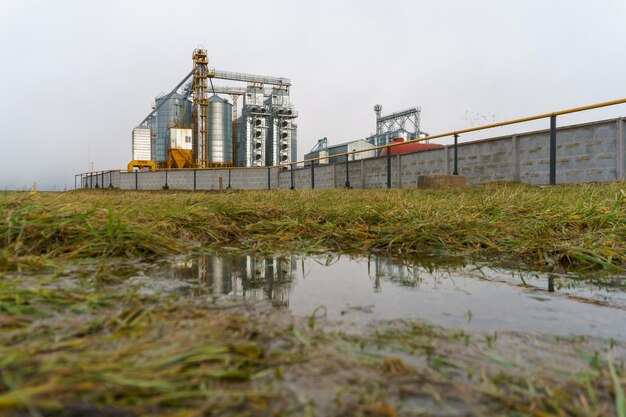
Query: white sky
x=77, y=76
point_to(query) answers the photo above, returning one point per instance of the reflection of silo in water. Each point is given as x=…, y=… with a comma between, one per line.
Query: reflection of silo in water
x=218, y=273
x=184, y=270
x=267, y=278
x=390, y=271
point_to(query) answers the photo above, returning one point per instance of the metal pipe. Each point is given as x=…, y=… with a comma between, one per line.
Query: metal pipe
x=194, y=179
x=347, y=171
x=136, y=180
x=166, y=186
x=474, y=129
x=552, y=150
x=312, y=176
x=620, y=149
x=291, y=174
x=166, y=97
x=388, y=167
x=228, y=179
x=269, y=171
x=456, y=155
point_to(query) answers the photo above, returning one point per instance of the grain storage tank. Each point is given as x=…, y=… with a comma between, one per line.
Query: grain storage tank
x=175, y=111
x=220, y=131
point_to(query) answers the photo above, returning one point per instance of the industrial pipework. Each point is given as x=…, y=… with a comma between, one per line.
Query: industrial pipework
x=264, y=135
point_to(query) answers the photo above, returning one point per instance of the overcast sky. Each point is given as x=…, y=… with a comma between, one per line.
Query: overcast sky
x=77, y=76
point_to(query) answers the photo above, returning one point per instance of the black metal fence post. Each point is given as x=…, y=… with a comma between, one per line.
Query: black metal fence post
x=456, y=155
x=269, y=178
x=388, y=166
x=136, y=180
x=166, y=186
x=194, y=179
x=291, y=174
x=228, y=178
x=312, y=175
x=552, y=150
x=110, y=179
x=347, y=171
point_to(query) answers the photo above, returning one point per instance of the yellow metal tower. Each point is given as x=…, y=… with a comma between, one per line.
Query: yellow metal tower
x=200, y=107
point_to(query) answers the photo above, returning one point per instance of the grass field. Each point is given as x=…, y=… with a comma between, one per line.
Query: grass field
x=78, y=337
x=583, y=226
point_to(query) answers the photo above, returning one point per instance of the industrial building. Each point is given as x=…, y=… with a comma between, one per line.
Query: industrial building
x=323, y=150
x=194, y=126
x=403, y=125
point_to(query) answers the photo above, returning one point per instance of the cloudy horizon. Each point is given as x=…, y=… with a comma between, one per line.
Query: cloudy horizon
x=78, y=76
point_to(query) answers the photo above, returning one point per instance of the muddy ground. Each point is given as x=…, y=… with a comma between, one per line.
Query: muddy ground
x=97, y=339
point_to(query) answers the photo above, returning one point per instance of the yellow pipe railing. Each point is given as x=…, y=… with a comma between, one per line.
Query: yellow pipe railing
x=475, y=129
x=441, y=135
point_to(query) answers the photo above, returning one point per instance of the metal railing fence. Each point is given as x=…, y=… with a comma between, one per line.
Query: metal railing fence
x=97, y=179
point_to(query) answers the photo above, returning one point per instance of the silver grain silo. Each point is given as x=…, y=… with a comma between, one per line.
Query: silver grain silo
x=220, y=131
x=175, y=111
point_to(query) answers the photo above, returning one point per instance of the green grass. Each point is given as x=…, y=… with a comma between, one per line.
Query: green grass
x=103, y=348
x=575, y=225
x=78, y=338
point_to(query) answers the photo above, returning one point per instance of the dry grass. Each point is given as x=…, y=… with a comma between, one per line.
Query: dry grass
x=87, y=342
x=576, y=225
x=78, y=339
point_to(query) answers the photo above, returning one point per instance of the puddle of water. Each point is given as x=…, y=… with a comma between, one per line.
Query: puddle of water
x=359, y=290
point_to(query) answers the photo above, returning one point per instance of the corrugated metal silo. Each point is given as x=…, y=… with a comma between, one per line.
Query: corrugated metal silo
x=220, y=131
x=176, y=111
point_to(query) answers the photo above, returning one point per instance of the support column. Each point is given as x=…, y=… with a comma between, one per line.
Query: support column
x=552, y=178
x=347, y=185
x=456, y=155
x=399, y=170
x=388, y=167
x=621, y=150
x=515, y=156
x=166, y=186
x=362, y=174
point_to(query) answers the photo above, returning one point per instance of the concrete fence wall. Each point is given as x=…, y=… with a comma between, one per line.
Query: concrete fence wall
x=585, y=153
